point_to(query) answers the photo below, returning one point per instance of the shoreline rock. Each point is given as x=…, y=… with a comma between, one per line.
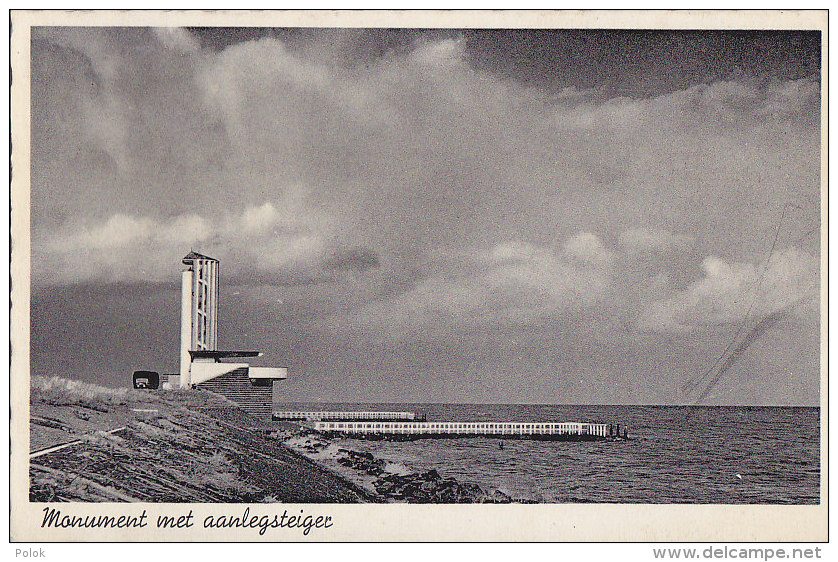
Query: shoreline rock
x=377, y=475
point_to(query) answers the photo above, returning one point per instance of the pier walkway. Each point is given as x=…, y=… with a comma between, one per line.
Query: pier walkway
x=349, y=415
x=567, y=431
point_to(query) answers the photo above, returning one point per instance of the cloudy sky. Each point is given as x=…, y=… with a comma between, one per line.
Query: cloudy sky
x=435, y=215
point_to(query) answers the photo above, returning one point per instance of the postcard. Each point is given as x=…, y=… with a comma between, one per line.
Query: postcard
x=426, y=276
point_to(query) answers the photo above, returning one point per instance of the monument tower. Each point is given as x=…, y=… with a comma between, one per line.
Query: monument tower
x=200, y=358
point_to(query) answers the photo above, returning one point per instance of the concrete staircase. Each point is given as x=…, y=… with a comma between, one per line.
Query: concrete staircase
x=236, y=386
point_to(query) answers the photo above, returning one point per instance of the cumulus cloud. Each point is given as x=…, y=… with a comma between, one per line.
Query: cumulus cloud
x=440, y=54
x=588, y=247
x=177, y=39
x=510, y=282
x=729, y=291
x=260, y=245
x=789, y=98
x=260, y=219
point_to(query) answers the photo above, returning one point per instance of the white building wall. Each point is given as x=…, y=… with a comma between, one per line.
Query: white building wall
x=199, y=313
x=185, y=327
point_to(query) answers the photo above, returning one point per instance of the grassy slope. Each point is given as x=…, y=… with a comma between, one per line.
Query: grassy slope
x=194, y=447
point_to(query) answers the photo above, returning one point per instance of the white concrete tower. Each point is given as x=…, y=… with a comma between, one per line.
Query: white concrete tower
x=199, y=310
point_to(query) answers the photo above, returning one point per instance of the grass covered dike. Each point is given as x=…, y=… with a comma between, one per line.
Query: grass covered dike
x=183, y=446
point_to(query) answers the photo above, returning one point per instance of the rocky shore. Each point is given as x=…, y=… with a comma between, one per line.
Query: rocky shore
x=391, y=481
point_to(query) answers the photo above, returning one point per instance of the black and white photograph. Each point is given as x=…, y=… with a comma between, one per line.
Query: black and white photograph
x=272, y=271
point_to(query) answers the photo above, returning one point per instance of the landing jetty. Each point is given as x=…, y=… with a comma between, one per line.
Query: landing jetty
x=406, y=426
x=405, y=431
x=324, y=415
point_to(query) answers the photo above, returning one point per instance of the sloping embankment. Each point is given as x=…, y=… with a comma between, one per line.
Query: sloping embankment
x=175, y=447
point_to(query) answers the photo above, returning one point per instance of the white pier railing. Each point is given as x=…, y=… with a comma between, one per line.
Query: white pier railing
x=510, y=429
x=313, y=415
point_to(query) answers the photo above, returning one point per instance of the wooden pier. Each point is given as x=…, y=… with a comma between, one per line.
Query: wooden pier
x=566, y=431
x=378, y=416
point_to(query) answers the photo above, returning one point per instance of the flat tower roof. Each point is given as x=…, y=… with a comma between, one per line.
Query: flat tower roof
x=193, y=256
x=219, y=354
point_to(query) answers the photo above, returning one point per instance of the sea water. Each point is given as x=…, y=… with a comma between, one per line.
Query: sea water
x=675, y=454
